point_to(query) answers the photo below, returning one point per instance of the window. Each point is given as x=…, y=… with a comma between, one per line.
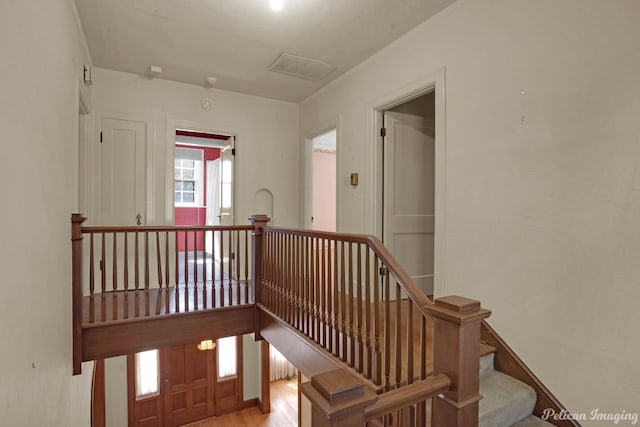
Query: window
x=227, y=362
x=188, y=182
x=147, y=374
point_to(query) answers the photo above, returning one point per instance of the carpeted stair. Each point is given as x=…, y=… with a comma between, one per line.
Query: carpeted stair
x=506, y=401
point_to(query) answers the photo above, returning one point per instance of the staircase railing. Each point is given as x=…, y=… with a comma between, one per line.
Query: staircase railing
x=347, y=293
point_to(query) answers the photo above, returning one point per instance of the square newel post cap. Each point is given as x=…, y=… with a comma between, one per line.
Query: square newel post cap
x=458, y=309
x=259, y=220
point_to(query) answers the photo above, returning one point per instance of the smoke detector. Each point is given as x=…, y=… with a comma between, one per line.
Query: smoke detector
x=301, y=67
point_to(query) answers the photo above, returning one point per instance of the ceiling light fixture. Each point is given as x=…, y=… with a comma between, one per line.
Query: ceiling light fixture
x=206, y=345
x=276, y=5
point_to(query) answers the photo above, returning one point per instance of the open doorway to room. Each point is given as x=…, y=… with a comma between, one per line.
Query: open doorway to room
x=203, y=195
x=408, y=188
x=321, y=190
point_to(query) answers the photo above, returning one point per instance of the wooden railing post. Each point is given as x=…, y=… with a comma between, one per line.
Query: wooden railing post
x=338, y=399
x=76, y=289
x=259, y=222
x=456, y=353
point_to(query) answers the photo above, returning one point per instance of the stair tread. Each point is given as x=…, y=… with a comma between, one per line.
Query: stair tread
x=505, y=400
x=532, y=421
x=486, y=349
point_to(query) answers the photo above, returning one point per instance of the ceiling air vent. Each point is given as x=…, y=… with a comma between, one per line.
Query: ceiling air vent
x=301, y=67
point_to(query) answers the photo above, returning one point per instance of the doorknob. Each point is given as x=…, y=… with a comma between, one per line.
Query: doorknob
x=139, y=218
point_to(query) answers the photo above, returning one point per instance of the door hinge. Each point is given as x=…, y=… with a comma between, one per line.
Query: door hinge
x=383, y=132
x=100, y=137
x=233, y=151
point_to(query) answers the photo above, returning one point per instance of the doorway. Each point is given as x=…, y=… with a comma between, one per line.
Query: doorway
x=202, y=194
x=322, y=191
x=408, y=189
x=183, y=384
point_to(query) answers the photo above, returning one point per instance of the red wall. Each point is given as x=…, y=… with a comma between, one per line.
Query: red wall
x=196, y=215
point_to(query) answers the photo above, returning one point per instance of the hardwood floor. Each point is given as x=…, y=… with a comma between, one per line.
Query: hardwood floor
x=284, y=410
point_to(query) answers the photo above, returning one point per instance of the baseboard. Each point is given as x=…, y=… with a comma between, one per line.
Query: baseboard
x=249, y=403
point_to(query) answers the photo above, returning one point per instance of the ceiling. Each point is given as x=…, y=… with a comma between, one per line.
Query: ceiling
x=235, y=41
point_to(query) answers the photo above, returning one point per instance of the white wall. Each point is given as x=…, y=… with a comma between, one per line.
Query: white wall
x=266, y=136
x=541, y=212
x=42, y=60
x=266, y=140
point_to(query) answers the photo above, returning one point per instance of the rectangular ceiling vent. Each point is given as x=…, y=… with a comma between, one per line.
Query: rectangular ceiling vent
x=301, y=67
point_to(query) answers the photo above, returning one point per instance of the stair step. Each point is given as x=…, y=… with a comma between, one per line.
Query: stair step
x=532, y=421
x=505, y=399
x=486, y=349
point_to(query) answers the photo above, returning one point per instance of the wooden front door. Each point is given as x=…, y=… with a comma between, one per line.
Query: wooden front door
x=187, y=375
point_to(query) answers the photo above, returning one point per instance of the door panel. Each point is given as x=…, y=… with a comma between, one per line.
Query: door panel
x=122, y=171
x=409, y=178
x=188, y=384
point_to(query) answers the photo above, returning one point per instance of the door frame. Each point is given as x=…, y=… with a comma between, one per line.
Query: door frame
x=170, y=146
x=307, y=199
x=375, y=112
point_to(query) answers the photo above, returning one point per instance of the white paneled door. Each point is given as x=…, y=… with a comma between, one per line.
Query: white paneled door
x=122, y=172
x=408, y=214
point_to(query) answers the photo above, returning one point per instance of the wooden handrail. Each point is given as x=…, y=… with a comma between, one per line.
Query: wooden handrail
x=162, y=228
x=407, y=396
x=394, y=267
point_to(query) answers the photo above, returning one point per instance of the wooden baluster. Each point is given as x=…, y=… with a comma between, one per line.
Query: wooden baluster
x=221, y=268
x=114, y=278
x=367, y=313
x=309, y=282
x=230, y=273
x=398, y=332
x=329, y=296
x=343, y=306
x=103, y=268
x=423, y=347
x=246, y=267
x=289, y=281
x=176, y=296
x=126, y=275
x=126, y=266
x=377, y=365
x=296, y=281
x=205, y=277
x=409, y=342
x=336, y=304
x=360, y=303
x=114, y=265
x=136, y=267
x=279, y=284
x=186, y=259
x=159, y=260
x=323, y=285
x=387, y=329
x=237, y=260
x=195, y=260
x=317, y=286
x=146, y=262
x=166, y=260
x=352, y=348
x=195, y=270
x=305, y=286
x=91, y=267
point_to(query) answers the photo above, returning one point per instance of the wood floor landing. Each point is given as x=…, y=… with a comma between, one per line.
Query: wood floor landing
x=127, y=305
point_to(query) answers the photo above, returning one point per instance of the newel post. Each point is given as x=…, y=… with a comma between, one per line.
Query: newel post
x=338, y=399
x=76, y=289
x=456, y=350
x=259, y=222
